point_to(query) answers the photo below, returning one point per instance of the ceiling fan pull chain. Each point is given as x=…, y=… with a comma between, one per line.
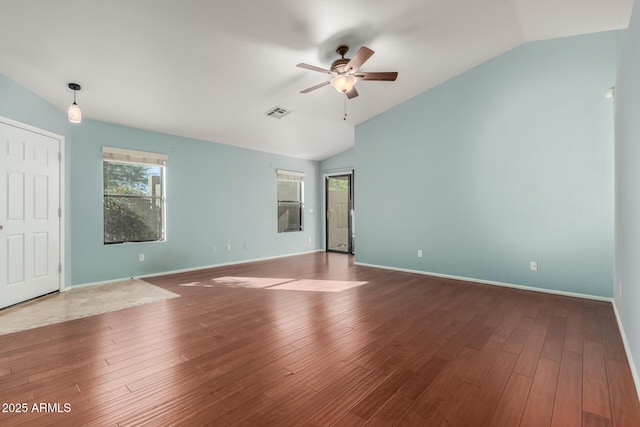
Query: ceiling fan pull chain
x=345, y=109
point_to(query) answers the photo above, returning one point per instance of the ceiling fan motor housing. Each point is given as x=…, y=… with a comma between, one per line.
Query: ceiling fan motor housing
x=339, y=64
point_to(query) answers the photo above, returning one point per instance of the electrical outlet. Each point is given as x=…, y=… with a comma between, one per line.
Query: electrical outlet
x=214, y=249
x=228, y=247
x=419, y=253
x=309, y=239
x=141, y=257
x=533, y=265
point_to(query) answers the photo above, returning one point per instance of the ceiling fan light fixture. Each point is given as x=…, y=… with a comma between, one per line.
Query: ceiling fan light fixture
x=343, y=82
x=74, y=113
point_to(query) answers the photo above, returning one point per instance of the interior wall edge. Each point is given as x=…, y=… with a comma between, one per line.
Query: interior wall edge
x=627, y=349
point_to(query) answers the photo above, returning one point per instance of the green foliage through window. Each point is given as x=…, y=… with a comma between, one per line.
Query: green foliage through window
x=133, y=202
x=336, y=184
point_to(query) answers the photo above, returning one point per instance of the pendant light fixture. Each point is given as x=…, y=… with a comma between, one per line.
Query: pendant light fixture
x=75, y=115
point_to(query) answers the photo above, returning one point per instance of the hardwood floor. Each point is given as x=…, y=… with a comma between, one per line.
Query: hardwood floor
x=402, y=349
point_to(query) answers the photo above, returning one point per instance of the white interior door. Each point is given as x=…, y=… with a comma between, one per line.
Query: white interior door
x=29, y=214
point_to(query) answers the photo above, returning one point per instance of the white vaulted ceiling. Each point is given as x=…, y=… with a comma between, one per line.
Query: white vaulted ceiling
x=211, y=69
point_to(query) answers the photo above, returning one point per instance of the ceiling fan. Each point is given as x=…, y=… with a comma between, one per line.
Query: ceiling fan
x=345, y=72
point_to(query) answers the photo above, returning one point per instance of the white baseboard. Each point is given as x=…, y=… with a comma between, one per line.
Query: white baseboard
x=627, y=350
x=490, y=282
x=102, y=282
x=186, y=270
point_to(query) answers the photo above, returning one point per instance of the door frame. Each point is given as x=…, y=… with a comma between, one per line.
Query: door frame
x=326, y=176
x=61, y=194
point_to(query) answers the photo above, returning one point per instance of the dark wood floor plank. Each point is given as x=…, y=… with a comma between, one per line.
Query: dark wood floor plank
x=591, y=420
x=573, y=337
x=478, y=364
x=451, y=411
x=513, y=401
x=323, y=397
x=592, y=331
x=349, y=419
x=595, y=390
x=624, y=400
x=381, y=394
x=437, y=403
x=539, y=408
x=481, y=408
x=350, y=397
x=403, y=349
x=237, y=416
x=519, y=335
x=567, y=407
x=282, y=412
x=505, y=316
x=554, y=341
x=391, y=411
x=157, y=407
x=611, y=338
x=530, y=353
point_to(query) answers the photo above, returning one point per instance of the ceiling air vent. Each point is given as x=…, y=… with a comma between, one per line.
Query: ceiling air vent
x=277, y=112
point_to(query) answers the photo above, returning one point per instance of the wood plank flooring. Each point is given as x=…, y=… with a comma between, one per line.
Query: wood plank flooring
x=403, y=349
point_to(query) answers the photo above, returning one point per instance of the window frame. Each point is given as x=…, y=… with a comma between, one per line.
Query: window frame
x=140, y=158
x=290, y=176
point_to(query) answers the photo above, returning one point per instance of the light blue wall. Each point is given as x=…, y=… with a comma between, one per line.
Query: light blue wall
x=22, y=105
x=216, y=194
x=508, y=163
x=341, y=162
x=627, y=198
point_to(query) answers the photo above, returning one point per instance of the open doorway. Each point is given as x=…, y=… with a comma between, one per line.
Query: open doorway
x=339, y=213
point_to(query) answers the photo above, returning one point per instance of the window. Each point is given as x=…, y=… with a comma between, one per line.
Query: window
x=290, y=200
x=133, y=192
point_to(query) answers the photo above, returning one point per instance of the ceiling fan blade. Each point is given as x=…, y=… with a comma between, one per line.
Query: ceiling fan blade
x=314, y=68
x=361, y=56
x=318, y=86
x=352, y=93
x=387, y=76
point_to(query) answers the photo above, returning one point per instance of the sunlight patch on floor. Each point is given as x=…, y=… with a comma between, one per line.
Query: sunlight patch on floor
x=251, y=282
x=280, y=284
x=319, y=285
